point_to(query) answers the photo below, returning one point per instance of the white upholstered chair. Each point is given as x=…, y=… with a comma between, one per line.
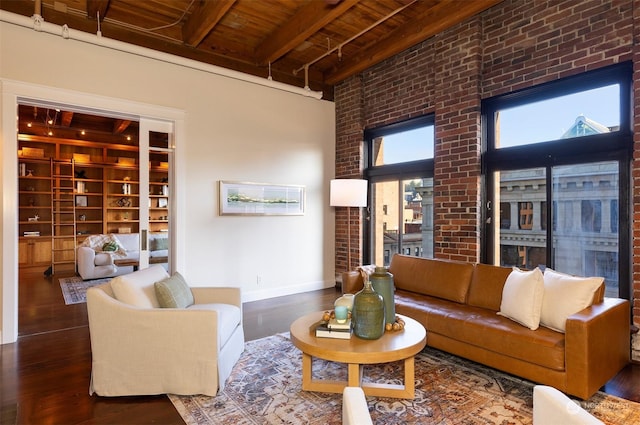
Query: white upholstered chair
x=354, y=407
x=551, y=406
x=144, y=349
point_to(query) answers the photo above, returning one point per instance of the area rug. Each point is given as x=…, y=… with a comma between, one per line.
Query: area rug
x=74, y=289
x=265, y=388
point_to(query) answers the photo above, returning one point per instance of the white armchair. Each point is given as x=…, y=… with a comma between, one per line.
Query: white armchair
x=354, y=407
x=92, y=264
x=550, y=406
x=151, y=350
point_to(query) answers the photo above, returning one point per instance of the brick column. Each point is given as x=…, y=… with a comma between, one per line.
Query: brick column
x=457, y=156
x=349, y=164
x=635, y=173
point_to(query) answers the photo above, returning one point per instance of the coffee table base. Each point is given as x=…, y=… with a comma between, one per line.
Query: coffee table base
x=354, y=376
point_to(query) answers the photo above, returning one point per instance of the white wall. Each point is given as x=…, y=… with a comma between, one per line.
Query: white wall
x=232, y=130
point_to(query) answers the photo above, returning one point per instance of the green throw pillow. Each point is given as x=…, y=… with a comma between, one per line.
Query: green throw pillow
x=173, y=292
x=110, y=246
x=159, y=244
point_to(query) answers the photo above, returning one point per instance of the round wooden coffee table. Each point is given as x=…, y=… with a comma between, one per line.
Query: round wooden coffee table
x=356, y=352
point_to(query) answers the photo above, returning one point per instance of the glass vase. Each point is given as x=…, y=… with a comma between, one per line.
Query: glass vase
x=368, y=313
x=382, y=282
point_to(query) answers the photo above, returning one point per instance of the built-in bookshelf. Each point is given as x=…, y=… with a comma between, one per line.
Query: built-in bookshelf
x=106, y=192
x=159, y=192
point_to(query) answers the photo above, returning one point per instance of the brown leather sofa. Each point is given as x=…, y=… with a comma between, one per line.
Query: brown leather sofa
x=458, y=302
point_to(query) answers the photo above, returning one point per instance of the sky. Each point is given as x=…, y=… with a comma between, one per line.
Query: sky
x=534, y=122
x=549, y=119
x=409, y=145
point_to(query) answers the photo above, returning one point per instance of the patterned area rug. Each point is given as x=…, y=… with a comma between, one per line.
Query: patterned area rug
x=74, y=289
x=265, y=388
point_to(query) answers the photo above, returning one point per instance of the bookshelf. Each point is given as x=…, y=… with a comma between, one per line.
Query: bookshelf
x=105, y=194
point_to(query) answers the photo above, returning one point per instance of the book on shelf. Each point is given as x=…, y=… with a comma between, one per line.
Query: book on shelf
x=31, y=234
x=334, y=324
x=324, y=331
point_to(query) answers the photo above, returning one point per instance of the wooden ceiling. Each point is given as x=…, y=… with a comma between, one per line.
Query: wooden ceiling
x=51, y=122
x=333, y=39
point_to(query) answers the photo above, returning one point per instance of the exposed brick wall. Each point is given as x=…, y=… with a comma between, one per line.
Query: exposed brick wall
x=456, y=188
x=399, y=88
x=514, y=45
x=635, y=175
x=527, y=43
x=349, y=164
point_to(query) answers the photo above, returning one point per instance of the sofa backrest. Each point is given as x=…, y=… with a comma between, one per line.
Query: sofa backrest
x=158, y=241
x=104, y=287
x=444, y=279
x=129, y=241
x=486, y=286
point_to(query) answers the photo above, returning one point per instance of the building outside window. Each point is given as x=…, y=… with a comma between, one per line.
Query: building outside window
x=400, y=172
x=561, y=153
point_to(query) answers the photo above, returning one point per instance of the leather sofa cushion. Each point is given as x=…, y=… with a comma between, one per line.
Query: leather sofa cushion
x=486, y=287
x=449, y=280
x=484, y=328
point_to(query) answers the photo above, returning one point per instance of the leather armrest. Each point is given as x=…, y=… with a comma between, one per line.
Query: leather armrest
x=597, y=345
x=351, y=282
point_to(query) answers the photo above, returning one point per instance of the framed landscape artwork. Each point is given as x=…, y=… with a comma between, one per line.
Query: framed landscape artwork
x=241, y=198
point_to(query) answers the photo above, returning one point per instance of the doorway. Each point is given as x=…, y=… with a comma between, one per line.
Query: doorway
x=15, y=94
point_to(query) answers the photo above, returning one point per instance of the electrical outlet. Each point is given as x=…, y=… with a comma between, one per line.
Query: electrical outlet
x=258, y=280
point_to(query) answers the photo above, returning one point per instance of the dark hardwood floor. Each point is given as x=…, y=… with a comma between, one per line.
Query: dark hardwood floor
x=45, y=374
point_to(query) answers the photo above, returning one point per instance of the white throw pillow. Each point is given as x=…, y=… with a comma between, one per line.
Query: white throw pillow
x=522, y=297
x=138, y=288
x=565, y=295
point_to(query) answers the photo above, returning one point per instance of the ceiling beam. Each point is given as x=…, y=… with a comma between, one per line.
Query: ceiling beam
x=151, y=41
x=97, y=6
x=119, y=126
x=431, y=21
x=65, y=118
x=203, y=19
x=306, y=22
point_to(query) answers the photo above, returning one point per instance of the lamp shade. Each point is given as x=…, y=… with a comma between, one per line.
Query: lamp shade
x=348, y=193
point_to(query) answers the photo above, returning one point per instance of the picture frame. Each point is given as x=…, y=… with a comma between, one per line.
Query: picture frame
x=162, y=202
x=81, y=201
x=247, y=198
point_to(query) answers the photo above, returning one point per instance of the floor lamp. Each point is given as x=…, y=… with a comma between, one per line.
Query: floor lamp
x=348, y=193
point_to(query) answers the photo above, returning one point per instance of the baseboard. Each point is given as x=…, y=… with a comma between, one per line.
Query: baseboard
x=248, y=296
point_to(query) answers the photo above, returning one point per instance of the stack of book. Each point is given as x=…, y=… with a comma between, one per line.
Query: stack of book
x=31, y=234
x=333, y=329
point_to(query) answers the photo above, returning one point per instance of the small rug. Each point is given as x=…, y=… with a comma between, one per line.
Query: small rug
x=74, y=289
x=265, y=388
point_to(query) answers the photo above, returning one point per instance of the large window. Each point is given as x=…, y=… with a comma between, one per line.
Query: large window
x=557, y=168
x=400, y=172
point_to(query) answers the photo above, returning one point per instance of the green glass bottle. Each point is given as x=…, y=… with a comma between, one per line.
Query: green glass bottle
x=368, y=313
x=382, y=282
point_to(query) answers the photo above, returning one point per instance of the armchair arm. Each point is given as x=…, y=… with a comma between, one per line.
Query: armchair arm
x=597, y=345
x=86, y=264
x=224, y=295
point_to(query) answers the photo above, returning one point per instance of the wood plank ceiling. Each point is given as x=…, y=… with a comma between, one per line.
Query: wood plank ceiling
x=332, y=39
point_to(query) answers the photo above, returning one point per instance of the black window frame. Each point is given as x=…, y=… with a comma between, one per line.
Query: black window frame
x=423, y=168
x=616, y=146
